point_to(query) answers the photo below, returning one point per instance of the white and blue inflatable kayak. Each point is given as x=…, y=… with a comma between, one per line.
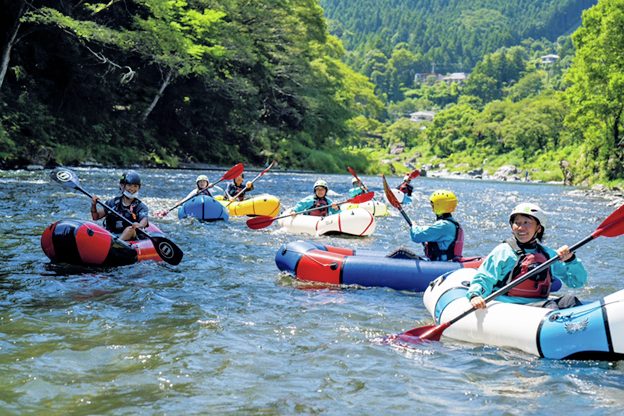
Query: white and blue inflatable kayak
x=592, y=331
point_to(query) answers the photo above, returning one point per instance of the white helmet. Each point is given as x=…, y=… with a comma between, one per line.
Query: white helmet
x=354, y=180
x=406, y=177
x=202, y=178
x=531, y=210
x=321, y=183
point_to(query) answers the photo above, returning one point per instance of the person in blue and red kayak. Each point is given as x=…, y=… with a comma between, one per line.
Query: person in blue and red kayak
x=236, y=187
x=518, y=255
x=127, y=204
x=444, y=239
x=318, y=199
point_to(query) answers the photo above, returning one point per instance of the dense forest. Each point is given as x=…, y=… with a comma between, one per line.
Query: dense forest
x=159, y=82
x=392, y=40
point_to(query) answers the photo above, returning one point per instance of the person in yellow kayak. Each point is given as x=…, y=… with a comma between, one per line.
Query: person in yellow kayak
x=236, y=187
x=318, y=199
x=518, y=255
x=127, y=204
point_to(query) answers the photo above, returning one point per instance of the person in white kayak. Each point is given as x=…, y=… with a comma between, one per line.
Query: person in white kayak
x=522, y=253
x=318, y=199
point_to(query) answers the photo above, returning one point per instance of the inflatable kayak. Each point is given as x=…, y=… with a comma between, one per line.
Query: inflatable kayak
x=87, y=243
x=266, y=205
x=378, y=209
x=358, y=222
x=590, y=331
x=311, y=261
x=204, y=208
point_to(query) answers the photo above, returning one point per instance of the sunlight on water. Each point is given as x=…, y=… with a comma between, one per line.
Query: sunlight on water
x=226, y=332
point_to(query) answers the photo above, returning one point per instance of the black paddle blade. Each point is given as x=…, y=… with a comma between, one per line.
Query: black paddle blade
x=65, y=177
x=167, y=249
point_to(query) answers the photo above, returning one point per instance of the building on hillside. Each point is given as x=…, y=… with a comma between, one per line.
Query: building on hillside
x=422, y=116
x=455, y=77
x=549, y=59
x=426, y=76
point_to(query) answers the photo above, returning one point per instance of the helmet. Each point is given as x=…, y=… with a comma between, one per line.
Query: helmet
x=354, y=180
x=321, y=183
x=443, y=201
x=531, y=210
x=130, y=178
x=202, y=178
x=407, y=177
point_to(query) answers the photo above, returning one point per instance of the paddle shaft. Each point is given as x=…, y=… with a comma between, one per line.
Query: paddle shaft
x=363, y=187
x=252, y=181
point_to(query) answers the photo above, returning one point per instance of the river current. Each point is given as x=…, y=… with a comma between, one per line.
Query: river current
x=225, y=333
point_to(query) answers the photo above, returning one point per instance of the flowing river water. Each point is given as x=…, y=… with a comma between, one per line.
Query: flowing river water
x=225, y=333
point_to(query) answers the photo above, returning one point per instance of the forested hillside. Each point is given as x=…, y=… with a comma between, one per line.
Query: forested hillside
x=397, y=38
x=158, y=81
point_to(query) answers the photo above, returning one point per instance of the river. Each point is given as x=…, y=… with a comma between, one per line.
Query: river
x=225, y=333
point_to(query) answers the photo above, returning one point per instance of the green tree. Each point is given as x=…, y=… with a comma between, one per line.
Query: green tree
x=596, y=93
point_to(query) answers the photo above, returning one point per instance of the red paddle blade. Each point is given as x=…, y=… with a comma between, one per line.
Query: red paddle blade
x=352, y=172
x=423, y=333
x=612, y=226
x=389, y=195
x=362, y=198
x=257, y=223
x=414, y=174
x=234, y=171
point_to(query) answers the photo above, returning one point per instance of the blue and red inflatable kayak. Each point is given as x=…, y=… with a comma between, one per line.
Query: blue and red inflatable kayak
x=88, y=244
x=310, y=261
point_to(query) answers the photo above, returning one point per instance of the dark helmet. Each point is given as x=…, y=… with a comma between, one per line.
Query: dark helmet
x=130, y=178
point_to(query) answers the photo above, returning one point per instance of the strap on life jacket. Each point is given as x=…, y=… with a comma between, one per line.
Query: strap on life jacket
x=453, y=251
x=534, y=287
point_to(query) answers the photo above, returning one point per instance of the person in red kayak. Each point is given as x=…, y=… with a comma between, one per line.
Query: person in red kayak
x=127, y=204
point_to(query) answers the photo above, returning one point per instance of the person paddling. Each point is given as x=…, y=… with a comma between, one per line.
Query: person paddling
x=202, y=187
x=444, y=239
x=318, y=199
x=358, y=188
x=521, y=253
x=127, y=204
x=406, y=186
x=236, y=187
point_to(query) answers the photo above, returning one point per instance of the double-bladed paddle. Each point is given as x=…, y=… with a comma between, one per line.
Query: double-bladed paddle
x=363, y=187
x=166, y=249
x=232, y=173
x=257, y=223
x=393, y=199
x=612, y=226
x=252, y=181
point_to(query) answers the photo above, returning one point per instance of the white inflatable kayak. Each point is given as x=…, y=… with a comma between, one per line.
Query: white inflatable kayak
x=378, y=209
x=358, y=222
x=590, y=331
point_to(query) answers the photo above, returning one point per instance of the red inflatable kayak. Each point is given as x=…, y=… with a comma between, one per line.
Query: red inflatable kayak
x=87, y=243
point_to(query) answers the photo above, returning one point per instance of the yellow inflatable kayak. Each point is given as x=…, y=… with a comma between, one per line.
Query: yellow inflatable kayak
x=265, y=204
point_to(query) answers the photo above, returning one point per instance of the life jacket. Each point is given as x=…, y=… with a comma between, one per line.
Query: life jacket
x=406, y=188
x=537, y=286
x=113, y=223
x=319, y=202
x=233, y=190
x=453, y=251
